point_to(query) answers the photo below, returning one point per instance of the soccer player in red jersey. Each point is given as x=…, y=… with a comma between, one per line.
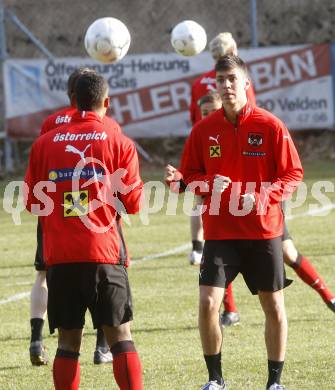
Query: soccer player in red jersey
x=222, y=44
x=243, y=161
x=92, y=174
x=39, y=292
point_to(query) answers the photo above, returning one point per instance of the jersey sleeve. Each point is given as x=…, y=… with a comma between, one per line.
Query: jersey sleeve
x=288, y=168
x=131, y=199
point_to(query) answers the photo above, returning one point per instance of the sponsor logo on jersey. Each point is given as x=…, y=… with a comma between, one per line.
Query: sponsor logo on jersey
x=65, y=174
x=215, y=139
x=75, y=203
x=255, y=139
x=253, y=154
x=214, y=151
x=62, y=137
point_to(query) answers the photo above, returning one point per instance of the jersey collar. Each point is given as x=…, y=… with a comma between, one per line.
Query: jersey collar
x=243, y=115
x=80, y=116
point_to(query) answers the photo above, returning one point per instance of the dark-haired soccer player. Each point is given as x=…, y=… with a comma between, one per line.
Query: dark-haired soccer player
x=244, y=163
x=39, y=291
x=93, y=172
x=221, y=45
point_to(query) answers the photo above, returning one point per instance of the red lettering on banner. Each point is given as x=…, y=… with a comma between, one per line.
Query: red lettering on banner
x=152, y=102
x=290, y=68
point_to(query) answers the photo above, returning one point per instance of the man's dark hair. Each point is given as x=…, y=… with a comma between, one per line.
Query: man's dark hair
x=230, y=61
x=90, y=90
x=210, y=97
x=71, y=82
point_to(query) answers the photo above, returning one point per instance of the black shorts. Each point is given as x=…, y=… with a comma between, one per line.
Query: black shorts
x=39, y=261
x=259, y=261
x=286, y=234
x=101, y=288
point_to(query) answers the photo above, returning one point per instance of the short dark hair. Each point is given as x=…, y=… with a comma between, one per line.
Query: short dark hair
x=71, y=82
x=90, y=90
x=230, y=61
x=210, y=97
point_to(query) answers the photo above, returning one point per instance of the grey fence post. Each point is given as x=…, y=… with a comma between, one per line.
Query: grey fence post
x=253, y=23
x=8, y=152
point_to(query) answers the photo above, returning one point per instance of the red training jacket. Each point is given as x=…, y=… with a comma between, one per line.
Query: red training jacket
x=83, y=225
x=202, y=86
x=258, y=150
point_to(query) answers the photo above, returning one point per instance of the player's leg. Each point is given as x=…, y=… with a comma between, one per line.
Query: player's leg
x=264, y=273
x=68, y=284
x=275, y=333
x=197, y=233
x=305, y=270
x=213, y=277
x=102, y=352
x=38, y=306
x=114, y=312
x=230, y=316
x=127, y=366
x=210, y=331
x=66, y=367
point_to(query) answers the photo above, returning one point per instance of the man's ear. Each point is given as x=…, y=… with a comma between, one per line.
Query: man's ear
x=247, y=84
x=106, y=102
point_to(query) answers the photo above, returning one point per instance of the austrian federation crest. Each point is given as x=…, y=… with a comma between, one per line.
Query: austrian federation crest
x=255, y=139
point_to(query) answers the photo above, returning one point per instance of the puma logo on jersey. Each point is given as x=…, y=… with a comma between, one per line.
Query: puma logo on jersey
x=215, y=139
x=72, y=149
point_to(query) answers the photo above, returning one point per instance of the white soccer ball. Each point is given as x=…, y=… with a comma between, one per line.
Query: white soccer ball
x=107, y=40
x=188, y=38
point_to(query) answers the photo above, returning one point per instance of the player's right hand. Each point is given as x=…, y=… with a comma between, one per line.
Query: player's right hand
x=220, y=183
x=172, y=174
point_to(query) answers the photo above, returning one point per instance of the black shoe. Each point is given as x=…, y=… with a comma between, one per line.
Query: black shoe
x=229, y=318
x=331, y=305
x=38, y=355
x=101, y=356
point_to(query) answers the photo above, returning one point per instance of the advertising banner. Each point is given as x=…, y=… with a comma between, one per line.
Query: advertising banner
x=150, y=93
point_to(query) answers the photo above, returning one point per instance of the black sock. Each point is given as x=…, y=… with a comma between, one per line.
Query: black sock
x=36, y=325
x=123, y=346
x=197, y=245
x=275, y=369
x=62, y=353
x=101, y=341
x=213, y=363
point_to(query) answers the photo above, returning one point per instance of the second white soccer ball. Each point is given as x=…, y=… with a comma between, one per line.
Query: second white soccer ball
x=188, y=38
x=107, y=40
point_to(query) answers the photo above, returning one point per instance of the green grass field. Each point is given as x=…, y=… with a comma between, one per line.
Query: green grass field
x=165, y=293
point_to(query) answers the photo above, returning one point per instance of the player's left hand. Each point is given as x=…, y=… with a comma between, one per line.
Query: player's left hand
x=248, y=201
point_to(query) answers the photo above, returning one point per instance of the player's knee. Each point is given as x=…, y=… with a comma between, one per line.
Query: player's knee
x=290, y=253
x=41, y=277
x=116, y=334
x=69, y=340
x=69, y=345
x=275, y=311
x=207, y=305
